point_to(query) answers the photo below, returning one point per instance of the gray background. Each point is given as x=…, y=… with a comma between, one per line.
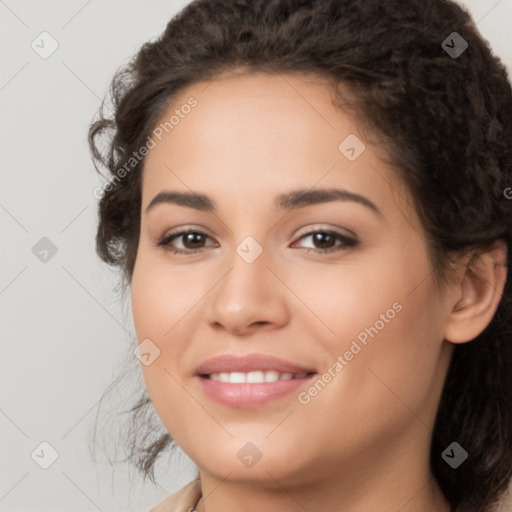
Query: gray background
x=65, y=330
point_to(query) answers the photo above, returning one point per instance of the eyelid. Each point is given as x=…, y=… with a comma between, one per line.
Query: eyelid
x=322, y=227
x=178, y=232
x=306, y=231
x=348, y=242
x=186, y=229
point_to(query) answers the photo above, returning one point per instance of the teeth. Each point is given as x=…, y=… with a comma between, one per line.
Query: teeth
x=271, y=376
x=255, y=377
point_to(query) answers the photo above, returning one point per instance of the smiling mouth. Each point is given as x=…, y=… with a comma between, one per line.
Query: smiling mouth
x=255, y=377
x=252, y=388
x=250, y=380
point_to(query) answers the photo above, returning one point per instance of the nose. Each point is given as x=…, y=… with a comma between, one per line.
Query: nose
x=249, y=297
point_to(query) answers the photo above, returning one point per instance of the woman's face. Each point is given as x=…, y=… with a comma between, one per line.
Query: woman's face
x=283, y=175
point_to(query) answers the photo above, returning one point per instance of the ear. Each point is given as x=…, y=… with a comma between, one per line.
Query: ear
x=477, y=294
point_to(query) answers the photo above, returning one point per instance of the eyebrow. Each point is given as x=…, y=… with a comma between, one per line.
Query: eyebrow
x=289, y=201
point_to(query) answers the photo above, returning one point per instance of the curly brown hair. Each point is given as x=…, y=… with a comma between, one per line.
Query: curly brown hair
x=446, y=121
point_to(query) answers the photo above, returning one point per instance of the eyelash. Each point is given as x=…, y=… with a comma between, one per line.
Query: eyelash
x=348, y=243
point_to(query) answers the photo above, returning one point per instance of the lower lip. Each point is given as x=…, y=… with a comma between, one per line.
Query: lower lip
x=249, y=395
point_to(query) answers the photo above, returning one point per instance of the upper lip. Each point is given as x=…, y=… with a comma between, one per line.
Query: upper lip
x=247, y=363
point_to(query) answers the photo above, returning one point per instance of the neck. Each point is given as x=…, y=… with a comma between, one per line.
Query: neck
x=390, y=483
x=243, y=497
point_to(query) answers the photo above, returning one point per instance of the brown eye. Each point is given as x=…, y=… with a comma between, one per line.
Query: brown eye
x=194, y=241
x=325, y=241
x=191, y=241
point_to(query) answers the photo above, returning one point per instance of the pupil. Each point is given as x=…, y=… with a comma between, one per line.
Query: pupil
x=192, y=237
x=321, y=237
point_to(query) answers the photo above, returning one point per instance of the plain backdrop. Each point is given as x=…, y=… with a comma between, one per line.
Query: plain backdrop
x=65, y=332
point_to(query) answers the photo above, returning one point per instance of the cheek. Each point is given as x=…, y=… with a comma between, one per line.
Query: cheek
x=166, y=309
x=388, y=334
x=388, y=375
x=161, y=296
x=156, y=309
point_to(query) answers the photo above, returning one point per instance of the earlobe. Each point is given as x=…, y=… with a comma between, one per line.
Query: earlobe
x=479, y=294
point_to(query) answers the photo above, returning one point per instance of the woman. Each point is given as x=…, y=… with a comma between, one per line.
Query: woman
x=308, y=201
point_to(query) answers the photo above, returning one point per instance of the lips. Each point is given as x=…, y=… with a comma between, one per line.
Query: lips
x=251, y=380
x=249, y=363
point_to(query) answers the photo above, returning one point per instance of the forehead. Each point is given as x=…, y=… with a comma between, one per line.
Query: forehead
x=256, y=132
x=243, y=110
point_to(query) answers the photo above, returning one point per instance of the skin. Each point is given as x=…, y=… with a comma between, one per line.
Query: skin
x=362, y=443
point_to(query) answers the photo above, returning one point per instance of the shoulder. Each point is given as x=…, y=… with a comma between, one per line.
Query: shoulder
x=181, y=501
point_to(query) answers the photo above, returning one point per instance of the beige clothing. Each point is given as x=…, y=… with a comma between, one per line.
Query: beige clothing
x=188, y=497
x=184, y=500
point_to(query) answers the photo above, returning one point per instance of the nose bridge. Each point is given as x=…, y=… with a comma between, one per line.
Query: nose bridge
x=253, y=244
x=249, y=250
x=249, y=292
x=248, y=268
x=249, y=237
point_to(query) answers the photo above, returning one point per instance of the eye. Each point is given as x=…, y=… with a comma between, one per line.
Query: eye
x=327, y=241
x=193, y=241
